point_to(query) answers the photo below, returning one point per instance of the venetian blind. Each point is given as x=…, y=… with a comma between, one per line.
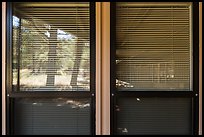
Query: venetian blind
x=153, y=46
x=51, y=46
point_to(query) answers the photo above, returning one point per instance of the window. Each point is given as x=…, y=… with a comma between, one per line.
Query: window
x=51, y=47
x=154, y=68
x=119, y=68
x=51, y=61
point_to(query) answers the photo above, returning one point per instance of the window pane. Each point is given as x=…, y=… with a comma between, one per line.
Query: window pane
x=153, y=46
x=154, y=116
x=51, y=46
x=59, y=116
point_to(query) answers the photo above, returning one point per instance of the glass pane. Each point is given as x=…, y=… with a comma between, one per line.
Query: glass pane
x=153, y=46
x=59, y=116
x=154, y=116
x=51, y=46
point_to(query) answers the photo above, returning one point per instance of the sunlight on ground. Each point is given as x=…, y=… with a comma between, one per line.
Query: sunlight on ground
x=38, y=80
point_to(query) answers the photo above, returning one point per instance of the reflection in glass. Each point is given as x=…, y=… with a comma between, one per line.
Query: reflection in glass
x=154, y=116
x=58, y=116
x=51, y=51
x=153, y=47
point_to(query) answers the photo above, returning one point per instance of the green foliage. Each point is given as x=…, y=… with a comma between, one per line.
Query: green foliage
x=34, y=48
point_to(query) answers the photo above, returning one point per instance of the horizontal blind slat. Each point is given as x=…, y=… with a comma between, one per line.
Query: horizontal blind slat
x=52, y=41
x=153, y=45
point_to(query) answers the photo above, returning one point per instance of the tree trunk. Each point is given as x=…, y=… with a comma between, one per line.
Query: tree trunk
x=51, y=65
x=75, y=71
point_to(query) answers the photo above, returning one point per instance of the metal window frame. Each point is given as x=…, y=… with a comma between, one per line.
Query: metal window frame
x=11, y=95
x=194, y=94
